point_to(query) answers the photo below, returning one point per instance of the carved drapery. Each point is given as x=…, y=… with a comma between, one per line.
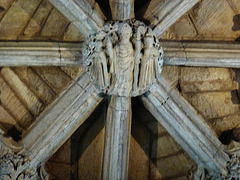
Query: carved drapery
x=124, y=58
x=14, y=165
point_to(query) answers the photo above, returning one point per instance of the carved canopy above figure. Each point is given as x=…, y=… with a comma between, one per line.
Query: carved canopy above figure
x=124, y=58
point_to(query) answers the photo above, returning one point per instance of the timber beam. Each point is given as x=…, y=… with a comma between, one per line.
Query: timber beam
x=186, y=126
x=201, y=54
x=117, y=138
x=163, y=14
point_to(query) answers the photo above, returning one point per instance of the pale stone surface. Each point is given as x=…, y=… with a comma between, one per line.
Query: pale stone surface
x=213, y=104
x=171, y=74
x=36, y=84
x=55, y=26
x=14, y=106
x=38, y=20
x=182, y=29
x=207, y=79
x=55, y=78
x=32, y=102
x=134, y=62
x=226, y=123
x=73, y=34
x=73, y=72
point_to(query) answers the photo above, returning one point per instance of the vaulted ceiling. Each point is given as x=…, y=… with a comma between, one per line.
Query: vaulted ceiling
x=25, y=92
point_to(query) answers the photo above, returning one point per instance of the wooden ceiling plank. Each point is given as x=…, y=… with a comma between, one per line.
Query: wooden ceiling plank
x=162, y=15
x=87, y=17
x=57, y=123
x=186, y=126
x=40, y=54
x=122, y=9
x=201, y=54
x=117, y=138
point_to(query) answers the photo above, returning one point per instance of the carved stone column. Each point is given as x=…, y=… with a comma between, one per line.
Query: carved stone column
x=117, y=138
x=123, y=60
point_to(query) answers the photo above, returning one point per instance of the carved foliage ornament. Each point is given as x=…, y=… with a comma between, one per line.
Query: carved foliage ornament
x=124, y=58
x=14, y=166
x=233, y=171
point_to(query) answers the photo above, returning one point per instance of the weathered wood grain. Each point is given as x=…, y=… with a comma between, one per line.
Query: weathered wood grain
x=40, y=54
x=201, y=54
x=87, y=17
x=163, y=14
x=122, y=9
x=117, y=138
x=57, y=123
x=186, y=126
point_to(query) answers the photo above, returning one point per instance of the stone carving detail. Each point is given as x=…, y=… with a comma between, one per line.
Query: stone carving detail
x=14, y=166
x=124, y=58
x=233, y=169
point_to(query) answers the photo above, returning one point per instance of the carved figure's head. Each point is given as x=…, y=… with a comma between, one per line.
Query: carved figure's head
x=148, y=40
x=126, y=31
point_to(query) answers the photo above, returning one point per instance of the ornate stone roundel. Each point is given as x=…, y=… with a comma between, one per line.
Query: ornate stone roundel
x=124, y=58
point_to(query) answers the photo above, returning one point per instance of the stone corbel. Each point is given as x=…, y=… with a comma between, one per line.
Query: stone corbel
x=15, y=166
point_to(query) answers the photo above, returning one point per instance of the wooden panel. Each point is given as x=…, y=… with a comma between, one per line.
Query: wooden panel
x=38, y=20
x=55, y=25
x=55, y=78
x=23, y=92
x=14, y=106
x=16, y=18
x=36, y=84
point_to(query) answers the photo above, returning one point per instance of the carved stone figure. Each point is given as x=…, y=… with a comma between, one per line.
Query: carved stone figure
x=124, y=58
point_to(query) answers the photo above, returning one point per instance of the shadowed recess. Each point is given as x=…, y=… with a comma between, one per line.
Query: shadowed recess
x=1, y=9
x=105, y=7
x=236, y=22
x=14, y=133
